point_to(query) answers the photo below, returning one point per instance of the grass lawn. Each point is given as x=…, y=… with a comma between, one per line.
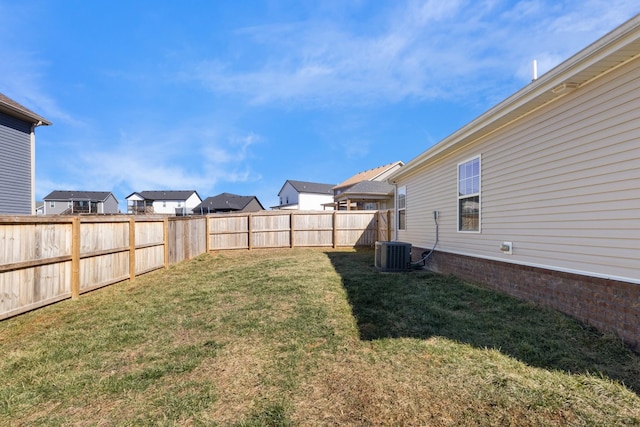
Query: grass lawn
x=308, y=337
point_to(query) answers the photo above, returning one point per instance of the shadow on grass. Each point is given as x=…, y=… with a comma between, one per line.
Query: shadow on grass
x=421, y=304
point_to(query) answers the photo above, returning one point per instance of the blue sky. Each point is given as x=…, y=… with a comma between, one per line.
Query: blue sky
x=239, y=96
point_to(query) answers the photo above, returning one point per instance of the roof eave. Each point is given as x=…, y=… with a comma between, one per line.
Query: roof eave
x=24, y=115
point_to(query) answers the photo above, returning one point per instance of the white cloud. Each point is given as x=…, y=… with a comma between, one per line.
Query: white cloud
x=184, y=157
x=424, y=50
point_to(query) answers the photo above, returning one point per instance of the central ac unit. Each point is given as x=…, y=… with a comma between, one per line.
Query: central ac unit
x=393, y=256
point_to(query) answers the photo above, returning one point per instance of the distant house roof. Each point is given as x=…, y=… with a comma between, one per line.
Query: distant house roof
x=12, y=108
x=309, y=187
x=225, y=202
x=381, y=188
x=165, y=195
x=369, y=175
x=93, y=196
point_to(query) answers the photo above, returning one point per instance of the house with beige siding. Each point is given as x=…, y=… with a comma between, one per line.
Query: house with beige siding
x=539, y=196
x=366, y=190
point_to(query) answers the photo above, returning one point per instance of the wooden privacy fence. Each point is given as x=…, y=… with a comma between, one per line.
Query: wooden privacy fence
x=288, y=229
x=47, y=259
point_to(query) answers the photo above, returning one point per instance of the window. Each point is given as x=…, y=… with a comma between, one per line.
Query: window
x=52, y=204
x=402, y=208
x=69, y=204
x=164, y=203
x=469, y=195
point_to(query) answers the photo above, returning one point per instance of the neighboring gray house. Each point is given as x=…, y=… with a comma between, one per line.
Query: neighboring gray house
x=540, y=195
x=227, y=202
x=305, y=196
x=17, y=157
x=162, y=202
x=80, y=202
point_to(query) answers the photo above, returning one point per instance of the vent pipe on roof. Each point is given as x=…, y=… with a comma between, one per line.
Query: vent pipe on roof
x=534, y=70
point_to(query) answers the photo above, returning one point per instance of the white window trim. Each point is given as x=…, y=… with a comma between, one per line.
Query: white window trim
x=402, y=189
x=479, y=194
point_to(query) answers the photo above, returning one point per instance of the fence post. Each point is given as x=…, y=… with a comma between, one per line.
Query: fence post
x=335, y=228
x=132, y=249
x=207, y=244
x=166, y=241
x=249, y=231
x=291, y=230
x=75, y=257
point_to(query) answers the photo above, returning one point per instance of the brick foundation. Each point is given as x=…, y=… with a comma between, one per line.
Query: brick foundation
x=607, y=305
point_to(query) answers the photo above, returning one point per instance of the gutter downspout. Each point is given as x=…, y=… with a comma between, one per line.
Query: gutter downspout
x=395, y=210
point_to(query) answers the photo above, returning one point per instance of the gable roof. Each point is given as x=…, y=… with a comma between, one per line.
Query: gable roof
x=226, y=202
x=93, y=196
x=369, y=175
x=12, y=108
x=309, y=187
x=604, y=55
x=381, y=188
x=165, y=195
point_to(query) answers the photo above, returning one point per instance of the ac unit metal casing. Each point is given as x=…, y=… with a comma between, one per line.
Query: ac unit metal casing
x=393, y=256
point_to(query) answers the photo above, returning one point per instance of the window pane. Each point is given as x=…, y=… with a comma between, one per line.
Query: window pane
x=469, y=214
x=401, y=220
x=402, y=197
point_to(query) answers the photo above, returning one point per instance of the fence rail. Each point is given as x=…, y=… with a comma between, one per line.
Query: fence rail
x=288, y=229
x=46, y=259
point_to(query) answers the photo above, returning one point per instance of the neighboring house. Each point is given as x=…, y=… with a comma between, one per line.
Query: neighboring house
x=77, y=202
x=17, y=157
x=227, y=202
x=540, y=196
x=305, y=196
x=367, y=190
x=39, y=208
x=162, y=202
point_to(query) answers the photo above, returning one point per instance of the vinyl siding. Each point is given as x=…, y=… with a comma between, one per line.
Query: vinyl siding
x=313, y=202
x=193, y=201
x=289, y=195
x=110, y=205
x=252, y=206
x=15, y=166
x=562, y=184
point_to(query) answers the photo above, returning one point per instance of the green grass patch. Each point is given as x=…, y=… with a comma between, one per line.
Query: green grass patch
x=308, y=337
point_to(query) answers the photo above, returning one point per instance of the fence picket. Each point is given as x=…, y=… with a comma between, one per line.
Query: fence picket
x=45, y=259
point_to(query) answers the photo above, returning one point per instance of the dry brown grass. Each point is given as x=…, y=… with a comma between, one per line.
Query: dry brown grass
x=300, y=337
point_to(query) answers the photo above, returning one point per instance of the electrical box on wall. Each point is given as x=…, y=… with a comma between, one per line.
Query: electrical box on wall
x=506, y=247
